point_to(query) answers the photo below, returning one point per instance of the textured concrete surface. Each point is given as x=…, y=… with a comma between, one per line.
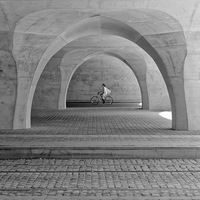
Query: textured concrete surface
x=48, y=88
x=7, y=88
x=34, y=44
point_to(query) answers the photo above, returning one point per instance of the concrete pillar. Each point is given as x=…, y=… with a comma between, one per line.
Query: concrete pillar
x=8, y=72
x=8, y=86
x=48, y=88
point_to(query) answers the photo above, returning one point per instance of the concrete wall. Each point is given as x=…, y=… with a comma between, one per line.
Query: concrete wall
x=186, y=12
x=117, y=76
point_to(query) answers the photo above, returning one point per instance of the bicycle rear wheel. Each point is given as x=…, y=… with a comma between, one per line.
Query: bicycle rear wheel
x=109, y=100
x=94, y=100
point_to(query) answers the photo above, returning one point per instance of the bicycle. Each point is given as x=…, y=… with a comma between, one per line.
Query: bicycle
x=97, y=99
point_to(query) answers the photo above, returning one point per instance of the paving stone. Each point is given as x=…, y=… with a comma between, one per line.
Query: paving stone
x=132, y=127
x=104, y=178
x=128, y=183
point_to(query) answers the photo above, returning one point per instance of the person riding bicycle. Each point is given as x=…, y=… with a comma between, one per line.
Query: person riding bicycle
x=104, y=92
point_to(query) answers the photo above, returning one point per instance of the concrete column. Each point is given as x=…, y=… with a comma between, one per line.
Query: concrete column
x=66, y=74
x=30, y=67
x=47, y=92
x=22, y=114
x=8, y=86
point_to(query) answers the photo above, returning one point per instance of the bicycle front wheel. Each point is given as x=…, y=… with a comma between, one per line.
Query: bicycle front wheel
x=94, y=100
x=109, y=100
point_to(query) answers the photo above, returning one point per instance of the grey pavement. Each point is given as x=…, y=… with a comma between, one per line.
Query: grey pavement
x=103, y=130
x=99, y=132
x=119, y=126
x=100, y=179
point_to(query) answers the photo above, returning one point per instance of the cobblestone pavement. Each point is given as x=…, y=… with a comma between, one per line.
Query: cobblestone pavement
x=95, y=179
x=95, y=121
x=94, y=127
x=50, y=179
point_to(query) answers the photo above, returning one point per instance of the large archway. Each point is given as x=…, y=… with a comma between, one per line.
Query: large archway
x=50, y=83
x=160, y=35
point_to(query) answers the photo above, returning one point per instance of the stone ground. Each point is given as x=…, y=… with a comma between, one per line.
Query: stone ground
x=103, y=127
x=99, y=178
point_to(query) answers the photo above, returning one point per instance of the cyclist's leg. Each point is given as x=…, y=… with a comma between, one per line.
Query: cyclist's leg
x=101, y=95
x=104, y=97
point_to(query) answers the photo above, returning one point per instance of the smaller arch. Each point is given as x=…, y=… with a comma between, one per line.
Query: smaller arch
x=128, y=58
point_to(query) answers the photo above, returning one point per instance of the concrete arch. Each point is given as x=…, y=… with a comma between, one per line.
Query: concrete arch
x=132, y=60
x=48, y=87
x=160, y=35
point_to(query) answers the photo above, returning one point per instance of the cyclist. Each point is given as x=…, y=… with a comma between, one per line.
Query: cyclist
x=104, y=92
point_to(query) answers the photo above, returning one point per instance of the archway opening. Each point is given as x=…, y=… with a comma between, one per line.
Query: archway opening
x=115, y=74
x=66, y=63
